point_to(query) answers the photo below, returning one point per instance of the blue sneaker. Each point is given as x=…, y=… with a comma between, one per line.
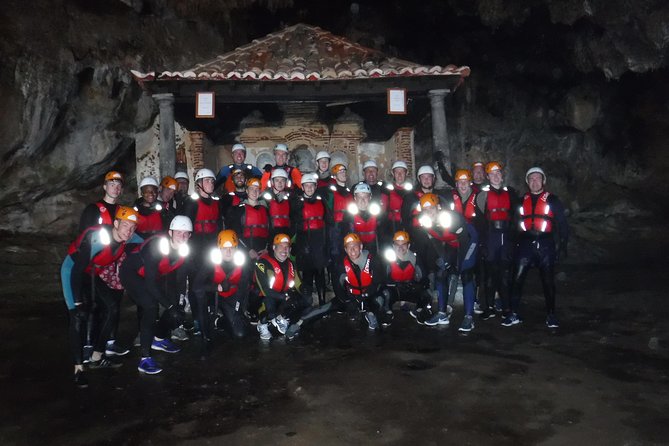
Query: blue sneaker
x=164, y=345
x=149, y=366
x=511, y=319
x=467, y=324
x=552, y=322
x=439, y=318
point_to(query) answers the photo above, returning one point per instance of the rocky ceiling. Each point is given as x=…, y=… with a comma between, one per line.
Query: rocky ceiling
x=576, y=86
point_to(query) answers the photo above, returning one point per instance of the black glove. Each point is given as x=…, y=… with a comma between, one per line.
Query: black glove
x=267, y=168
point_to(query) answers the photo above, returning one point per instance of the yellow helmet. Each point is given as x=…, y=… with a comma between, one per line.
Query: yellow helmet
x=429, y=200
x=227, y=239
x=281, y=238
x=127, y=213
x=351, y=237
x=401, y=236
x=463, y=174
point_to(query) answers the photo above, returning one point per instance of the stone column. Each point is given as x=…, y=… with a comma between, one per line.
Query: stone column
x=167, y=137
x=439, y=129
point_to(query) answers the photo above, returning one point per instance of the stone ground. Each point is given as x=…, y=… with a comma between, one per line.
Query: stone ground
x=602, y=378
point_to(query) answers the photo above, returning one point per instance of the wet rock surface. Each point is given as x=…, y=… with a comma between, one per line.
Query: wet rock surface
x=602, y=378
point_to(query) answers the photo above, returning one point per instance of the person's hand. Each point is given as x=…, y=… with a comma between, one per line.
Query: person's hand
x=268, y=168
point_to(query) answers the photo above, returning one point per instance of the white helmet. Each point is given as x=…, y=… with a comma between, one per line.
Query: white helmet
x=369, y=163
x=425, y=169
x=204, y=173
x=322, y=154
x=401, y=164
x=362, y=188
x=279, y=173
x=148, y=181
x=181, y=175
x=181, y=223
x=281, y=147
x=535, y=170
x=309, y=178
x=239, y=146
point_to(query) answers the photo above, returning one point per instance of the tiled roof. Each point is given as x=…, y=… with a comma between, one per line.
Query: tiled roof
x=303, y=53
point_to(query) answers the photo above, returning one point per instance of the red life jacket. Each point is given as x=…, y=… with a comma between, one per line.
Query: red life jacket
x=358, y=284
x=105, y=217
x=539, y=219
x=281, y=283
x=399, y=274
x=340, y=202
x=325, y=182
x=236, y=200
x=151, y=223
x=165, y=266
x=104, y=257
x=233, y=279
x=207, y=217
x=279, y=211
x=255, y=222
x=498, y=205
x=395, y=200
x=366, y=229
x=444, y=235
x=469, y=211
x=313, y=214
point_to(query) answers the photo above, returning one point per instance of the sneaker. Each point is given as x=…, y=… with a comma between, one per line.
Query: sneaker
x=488, y=314
x=371, y=320
x=498, y=305
x=164, y=345
x=252, y=318
x=80, y=379
x=477, y=308
x=420, y=314
x=87, y=352
x=387, y=318
x=552, y=322
x=293, y=331
x=511, y=319
x=467, y=324
x=149, y=366
x=439, y=318
x=113, y=349
x=179, y=334
x=265, y=334
x=281, y=324
x=196, y=329
x=103, y=363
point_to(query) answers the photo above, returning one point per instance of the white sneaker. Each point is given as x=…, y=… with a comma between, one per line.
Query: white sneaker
x=280, y=323
x=265, y=334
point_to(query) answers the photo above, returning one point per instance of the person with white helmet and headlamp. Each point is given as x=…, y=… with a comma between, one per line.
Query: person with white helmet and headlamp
x=143, y=274
x=323, y=172
x=542, y=223
x=311, y=219
x=410, y=205
x=370, y=173
x=149, y=208
x=277, y=197
x=223, y=285
x=397, y=191
x=281, y=162
x=250, y=220
x=238, y=162
x=366, y=218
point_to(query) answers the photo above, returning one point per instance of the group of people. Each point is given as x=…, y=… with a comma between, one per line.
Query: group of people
x=262, y=246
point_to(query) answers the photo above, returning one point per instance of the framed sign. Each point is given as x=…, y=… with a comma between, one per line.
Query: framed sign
x=397, y=101
x=204, y=104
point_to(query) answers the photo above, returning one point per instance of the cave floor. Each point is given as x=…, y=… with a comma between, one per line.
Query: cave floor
x=602, y=378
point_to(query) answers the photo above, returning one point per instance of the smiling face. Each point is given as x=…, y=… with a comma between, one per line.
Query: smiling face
x=149, y=194
x=239, y=179
x=123, y=230
x=535, y=182
x=279, y=183
x=182, y=185
x=179, y=237
x=353, y=250
x=371, y=174
x=341, y=176
x=323, y=164
x=463, y=187
x=207, y=185
x=227, y=253
x=426, y=181
x=166, y=194
x=309, y=189
x=280, y=157
x=238, y=156
x=478, y=174
x=400, y=175
x=401, y=248
x=495, y=177
x=113, y=190
x=253, y=192
x=281, y=251
x=362, y=200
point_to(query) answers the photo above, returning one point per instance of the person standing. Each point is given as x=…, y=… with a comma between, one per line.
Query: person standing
x=238, y=163
x=281, y=162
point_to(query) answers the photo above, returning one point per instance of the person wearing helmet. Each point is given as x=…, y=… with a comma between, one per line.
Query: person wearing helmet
x=87, y=296
x=251, y=221
x=323, y=170
x=204, y=210
x=438, y=158
x=238, y=163
x=397, y=191
x=542, y=222
x=234, y=198
x=311, y=219
x=277, y=282
x=181, y=196
x=410, y=204
x=143, y=275
x=365, y=218
x=102, y=212
x=223, y=283
x=478, y=176
x=149, y=208
x=370, y=173
x=450, y=252
x=359, y=279
x=166, y=193
x=278, y=202
x=281, y=162
x=407, y=281
x=498, y=202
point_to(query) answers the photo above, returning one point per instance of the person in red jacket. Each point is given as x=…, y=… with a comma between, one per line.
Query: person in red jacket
x=396, y=193
x=149, y=208
x=277, y=197
x=102, y=212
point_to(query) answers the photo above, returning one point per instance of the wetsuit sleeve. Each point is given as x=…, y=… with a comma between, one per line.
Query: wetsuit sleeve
x=81, y=260
x=203, y=281
x=90, y=217
x=263, y=275
x=378, y=276
x=223, y=175
x=445, y=174
x=255, y=172
x=151, y=258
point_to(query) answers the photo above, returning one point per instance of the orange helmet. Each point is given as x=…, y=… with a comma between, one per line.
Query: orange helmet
x=113, y=175
x=281, y=238
x=169, y=183
x=429, y=200
x=253, y=182
x=492, y=166
x=463, y=174
x=227, y=239
x=401, y=236
x=337, y=168
x=351, y=237
x=127, y=213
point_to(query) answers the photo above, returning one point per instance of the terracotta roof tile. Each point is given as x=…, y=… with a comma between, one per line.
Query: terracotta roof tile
x=303, y=52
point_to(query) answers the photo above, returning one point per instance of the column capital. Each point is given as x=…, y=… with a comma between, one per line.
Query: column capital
x=163, y=98
x=438, y=93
